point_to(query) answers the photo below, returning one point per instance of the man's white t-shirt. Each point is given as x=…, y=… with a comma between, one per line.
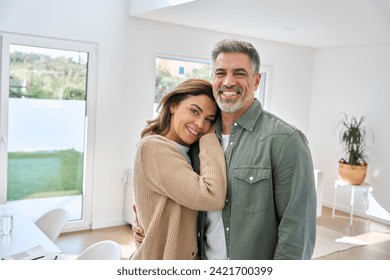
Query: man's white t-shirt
x=215, y=245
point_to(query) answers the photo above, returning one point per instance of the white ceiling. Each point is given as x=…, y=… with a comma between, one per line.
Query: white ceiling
x=311, y=23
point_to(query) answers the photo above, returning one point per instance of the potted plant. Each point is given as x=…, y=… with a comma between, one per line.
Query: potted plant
x=352, y=136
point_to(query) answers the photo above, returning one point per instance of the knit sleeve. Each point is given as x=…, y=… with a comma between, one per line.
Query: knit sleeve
x=169, y=173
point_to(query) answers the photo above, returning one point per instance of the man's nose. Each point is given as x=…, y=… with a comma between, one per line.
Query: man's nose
x=229, y=80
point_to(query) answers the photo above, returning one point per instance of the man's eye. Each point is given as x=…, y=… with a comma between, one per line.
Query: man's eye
x=219, y=74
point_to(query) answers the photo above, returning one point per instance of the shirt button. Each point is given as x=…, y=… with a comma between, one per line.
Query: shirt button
x=251, y=178
x=227, y=229
x=231, y=143
x=235, y=124
x=227, y=200
x=198, y=234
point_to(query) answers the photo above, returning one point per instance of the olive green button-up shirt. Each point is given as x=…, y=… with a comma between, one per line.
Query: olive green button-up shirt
x=270, y=210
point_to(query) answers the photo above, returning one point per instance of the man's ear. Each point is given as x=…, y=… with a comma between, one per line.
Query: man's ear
x=257, y=80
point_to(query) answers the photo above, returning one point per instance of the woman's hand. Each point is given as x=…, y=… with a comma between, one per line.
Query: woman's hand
x=138, y=232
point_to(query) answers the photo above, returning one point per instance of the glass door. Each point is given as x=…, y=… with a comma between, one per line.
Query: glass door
x=45, y=128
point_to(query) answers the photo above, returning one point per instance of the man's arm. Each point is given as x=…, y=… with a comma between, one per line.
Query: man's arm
x=295, y=199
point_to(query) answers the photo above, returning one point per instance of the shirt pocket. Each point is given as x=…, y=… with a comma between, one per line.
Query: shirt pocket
x=251, y=189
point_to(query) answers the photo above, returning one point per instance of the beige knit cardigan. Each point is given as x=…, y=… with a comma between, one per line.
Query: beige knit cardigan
x=169, y=194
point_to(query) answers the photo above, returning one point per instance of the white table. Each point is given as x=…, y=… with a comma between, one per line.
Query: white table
x=25, y=235
x=367, y=196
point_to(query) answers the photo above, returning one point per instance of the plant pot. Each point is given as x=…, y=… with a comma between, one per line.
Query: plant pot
x=352, y=174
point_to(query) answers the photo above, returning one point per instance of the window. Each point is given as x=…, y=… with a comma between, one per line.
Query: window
x=181, y=70
x=168, y=76
x=47, y=89
x=263, y=92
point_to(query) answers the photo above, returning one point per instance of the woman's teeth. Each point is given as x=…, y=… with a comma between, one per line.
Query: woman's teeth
x=192, y=131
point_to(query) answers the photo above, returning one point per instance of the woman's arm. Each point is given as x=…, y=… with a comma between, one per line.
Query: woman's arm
x=171, y=175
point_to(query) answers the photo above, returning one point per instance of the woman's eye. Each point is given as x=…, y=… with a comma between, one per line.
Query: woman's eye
x=211, y=121
x=195, y=112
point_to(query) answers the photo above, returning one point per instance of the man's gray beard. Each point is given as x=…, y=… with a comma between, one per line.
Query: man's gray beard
x=230, y=108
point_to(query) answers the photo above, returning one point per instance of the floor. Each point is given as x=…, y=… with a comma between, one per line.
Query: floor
x=379, y=251
x=73, y=243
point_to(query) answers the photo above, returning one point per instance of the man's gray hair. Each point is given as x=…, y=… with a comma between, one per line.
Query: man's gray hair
x=237, y=46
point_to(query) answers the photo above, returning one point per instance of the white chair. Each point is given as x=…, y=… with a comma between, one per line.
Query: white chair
x=103, y=250
x=52, y=222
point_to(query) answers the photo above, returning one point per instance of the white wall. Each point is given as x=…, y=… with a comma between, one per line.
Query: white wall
x=290, y=82
x=127, y=47
x=356, y=81
x=103, y=22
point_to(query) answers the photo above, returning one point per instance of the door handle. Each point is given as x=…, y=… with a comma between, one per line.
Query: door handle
x=5, y=143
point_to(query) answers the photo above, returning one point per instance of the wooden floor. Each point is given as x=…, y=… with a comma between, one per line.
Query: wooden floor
x=74, y=242
x=379, y=251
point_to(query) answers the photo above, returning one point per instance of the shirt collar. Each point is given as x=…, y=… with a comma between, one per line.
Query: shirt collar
x=247, y=120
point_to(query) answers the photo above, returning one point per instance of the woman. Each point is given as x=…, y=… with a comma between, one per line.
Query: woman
x=168, y=193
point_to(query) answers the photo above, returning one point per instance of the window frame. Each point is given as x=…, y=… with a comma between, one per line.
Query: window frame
x=7, y=39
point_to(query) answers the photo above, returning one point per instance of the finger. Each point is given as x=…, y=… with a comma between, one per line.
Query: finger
x=135, y=212
x=138, y=230
x=137, y=243
x=138, y=238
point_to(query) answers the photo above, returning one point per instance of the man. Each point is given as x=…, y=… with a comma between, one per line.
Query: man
x=270, y=208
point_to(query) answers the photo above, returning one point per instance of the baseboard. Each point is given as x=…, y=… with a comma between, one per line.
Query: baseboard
x=106, y=224
x=356, y=212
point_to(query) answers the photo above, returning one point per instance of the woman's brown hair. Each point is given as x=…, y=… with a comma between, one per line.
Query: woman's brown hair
x=190, y=87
